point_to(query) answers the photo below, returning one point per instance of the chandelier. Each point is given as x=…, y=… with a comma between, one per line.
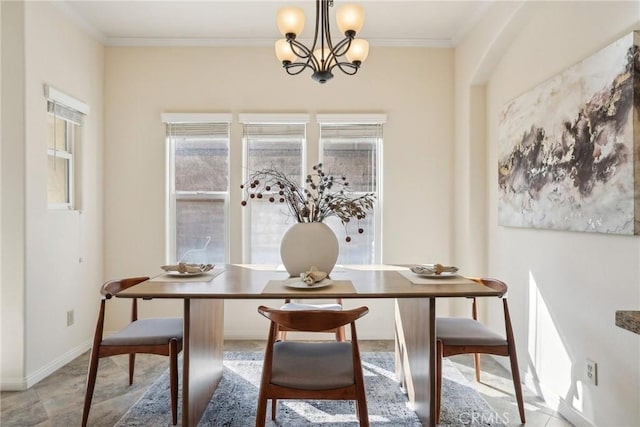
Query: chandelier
x=323, y=56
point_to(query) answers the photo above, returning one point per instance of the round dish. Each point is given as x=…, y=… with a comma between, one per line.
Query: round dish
x=299, y=284
x=443, y=275
x=178, y=274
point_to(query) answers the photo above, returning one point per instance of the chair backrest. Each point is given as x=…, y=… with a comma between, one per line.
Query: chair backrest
x=494, y=284
x=312, y=320
x=112, y=287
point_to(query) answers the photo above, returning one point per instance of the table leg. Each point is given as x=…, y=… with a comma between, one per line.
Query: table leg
x=202, y=356
x=415, y=354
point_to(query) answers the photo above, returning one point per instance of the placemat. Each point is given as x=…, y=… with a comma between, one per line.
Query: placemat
x=337, y=287
x=204, y=277
x=417, y=280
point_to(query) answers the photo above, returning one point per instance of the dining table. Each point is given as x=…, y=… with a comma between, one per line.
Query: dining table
x=204, y=295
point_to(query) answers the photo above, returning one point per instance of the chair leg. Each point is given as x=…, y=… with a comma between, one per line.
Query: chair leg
x=274, y=408
x=438, y=379
x=132, y=364
x=515, y=374
x=91, y=383
x=261, y=411
x=173, y=378
x=363, y=415
x=476, y=364
x=340, y=334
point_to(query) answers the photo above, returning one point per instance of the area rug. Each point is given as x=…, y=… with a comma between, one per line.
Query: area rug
x=234, y=401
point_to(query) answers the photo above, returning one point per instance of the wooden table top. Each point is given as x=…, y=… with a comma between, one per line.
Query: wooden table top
x=243, y=281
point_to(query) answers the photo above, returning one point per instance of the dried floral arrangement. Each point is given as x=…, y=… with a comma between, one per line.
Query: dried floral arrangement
x=323, y=196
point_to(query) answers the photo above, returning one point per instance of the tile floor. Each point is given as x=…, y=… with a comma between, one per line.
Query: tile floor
x=57, y=400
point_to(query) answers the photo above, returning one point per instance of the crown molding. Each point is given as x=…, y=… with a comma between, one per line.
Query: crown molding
x=258, y=42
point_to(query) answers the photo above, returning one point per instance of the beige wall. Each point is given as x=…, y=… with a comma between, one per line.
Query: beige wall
x=12, y=197
x=414, y=87
x=47, y=249
x=564, y=287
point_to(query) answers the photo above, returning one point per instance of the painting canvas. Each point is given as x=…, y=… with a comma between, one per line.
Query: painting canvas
x=568, y=155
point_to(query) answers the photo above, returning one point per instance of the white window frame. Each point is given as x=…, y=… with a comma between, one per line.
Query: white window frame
x=258, y=118
x=359, y=119
x=81, y=109
x=173, y=196
x=67, y=154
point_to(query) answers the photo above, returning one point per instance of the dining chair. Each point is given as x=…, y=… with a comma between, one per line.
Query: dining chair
x=462, y=335
x=325, y=370
x=162, y=335
x=337, y=306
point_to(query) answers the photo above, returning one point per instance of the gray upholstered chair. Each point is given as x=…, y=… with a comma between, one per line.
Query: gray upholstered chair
x=461, y=335
x=161, y=336
x=311, y=370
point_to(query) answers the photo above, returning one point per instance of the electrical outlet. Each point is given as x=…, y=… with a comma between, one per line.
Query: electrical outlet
x=592, y=372
x=69, y=317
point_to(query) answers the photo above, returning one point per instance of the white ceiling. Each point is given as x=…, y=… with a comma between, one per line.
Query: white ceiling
x=244, y=22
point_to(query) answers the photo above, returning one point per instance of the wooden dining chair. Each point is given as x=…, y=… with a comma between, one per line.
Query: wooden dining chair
x=337, y=306
x=162, y=335
x=458, y=335
x=326, y=370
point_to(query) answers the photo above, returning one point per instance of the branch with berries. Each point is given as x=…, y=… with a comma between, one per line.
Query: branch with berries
x=321, y=197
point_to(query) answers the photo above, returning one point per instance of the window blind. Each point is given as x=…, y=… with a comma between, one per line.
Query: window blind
x=65, y=113
x=348, y=132
x=210, y=130
x=281, y=130
x=65, y=106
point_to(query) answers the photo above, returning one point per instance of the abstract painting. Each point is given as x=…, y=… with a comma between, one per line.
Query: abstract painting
x=568, y=150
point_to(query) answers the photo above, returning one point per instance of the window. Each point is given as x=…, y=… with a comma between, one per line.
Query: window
x=271, y=141
x=65, y=119
x=199, y=172
x=198, y=193
x=350, y=145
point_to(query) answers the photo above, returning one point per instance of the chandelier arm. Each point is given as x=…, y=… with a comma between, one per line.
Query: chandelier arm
x=296, y=68
x=304, y=53
x=346, y=67
x=300, y=50
x=333, y=58
x=342, y=47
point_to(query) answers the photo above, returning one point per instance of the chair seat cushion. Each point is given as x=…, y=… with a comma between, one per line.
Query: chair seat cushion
x=465, y=331
x=299, y=306
x=312, y=366
x=155, y=331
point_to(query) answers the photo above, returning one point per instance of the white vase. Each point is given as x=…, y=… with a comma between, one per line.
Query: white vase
x=309, y=244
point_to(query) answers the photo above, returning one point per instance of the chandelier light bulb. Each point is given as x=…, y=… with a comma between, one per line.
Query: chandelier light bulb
x=350, y=17
x=284, y=51
x=290, y=20
x=358, y=51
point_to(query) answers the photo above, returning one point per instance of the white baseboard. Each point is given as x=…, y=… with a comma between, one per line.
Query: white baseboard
x=552, y=399
x=21, y=384
x=13, y=384
x=573, y=416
